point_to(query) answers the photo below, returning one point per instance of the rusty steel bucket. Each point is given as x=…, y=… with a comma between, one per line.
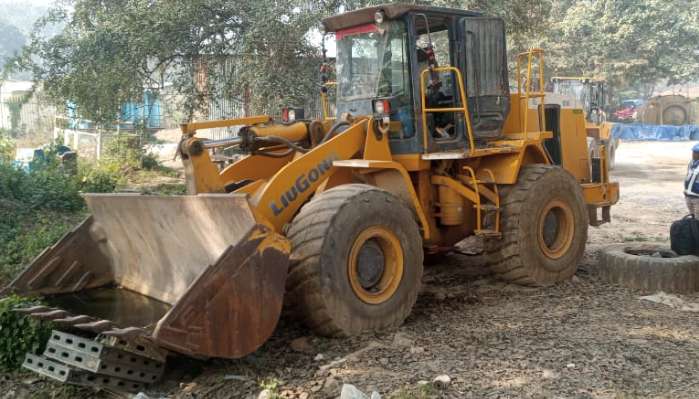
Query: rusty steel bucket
x=195, y=275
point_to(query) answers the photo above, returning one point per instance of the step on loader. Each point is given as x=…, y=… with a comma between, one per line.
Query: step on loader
x=423, y=147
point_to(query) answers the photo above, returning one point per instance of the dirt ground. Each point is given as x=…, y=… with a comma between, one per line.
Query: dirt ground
x=579, y=339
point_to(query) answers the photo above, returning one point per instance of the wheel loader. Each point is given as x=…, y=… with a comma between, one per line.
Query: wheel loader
x=334, y=215
x=591, y=96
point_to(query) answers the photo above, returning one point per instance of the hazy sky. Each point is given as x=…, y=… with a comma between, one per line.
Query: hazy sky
x=28, y=2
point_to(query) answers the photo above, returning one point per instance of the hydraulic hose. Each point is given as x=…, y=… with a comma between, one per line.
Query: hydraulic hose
x=333, y=131
x=283, y=141
x=274, y=154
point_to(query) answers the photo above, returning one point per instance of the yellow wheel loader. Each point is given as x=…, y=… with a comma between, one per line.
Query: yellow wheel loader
x=591, y=96
x=334, y=216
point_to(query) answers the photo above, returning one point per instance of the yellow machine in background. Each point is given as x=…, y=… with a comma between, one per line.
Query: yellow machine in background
x=591, y=96
x=338, y=213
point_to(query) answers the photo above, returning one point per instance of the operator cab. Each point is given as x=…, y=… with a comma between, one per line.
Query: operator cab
x=416, y=65
x=587, y=93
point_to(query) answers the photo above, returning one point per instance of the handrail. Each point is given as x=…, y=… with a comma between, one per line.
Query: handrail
x=324, y=99
x=528, y=93
x=474, y=183
x=464, y=108
x=497, y=198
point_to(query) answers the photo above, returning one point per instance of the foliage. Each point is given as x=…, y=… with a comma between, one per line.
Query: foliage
x=272, y=387
x=18, y=333
x=633, y=44
x=37, y=206
x=45, y=186
x=7, y=146
x=126, y=151
x=99, y=177
x=259, y=50
x=28, y=234
x=108, y=51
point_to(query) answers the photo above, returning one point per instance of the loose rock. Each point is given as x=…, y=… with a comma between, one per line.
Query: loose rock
x=441, y=381
x=302, y=345
x=331, y=386
x=401, y=339
x=417, y=350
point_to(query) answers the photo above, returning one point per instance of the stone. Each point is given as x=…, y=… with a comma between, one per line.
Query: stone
x=441, y=381
x=319, y=357
x=349, y=391
x=302, y=344
x=417, y=350
x=187, y=388
x=401, y=339
x=265, y=394
x=331, y=386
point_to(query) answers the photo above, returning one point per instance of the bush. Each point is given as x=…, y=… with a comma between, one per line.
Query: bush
x=150, y=162
x=27, y=234
x=7, y=147
x=99, y=178
x=19, y=334
x=37, y=206
x=45, y=187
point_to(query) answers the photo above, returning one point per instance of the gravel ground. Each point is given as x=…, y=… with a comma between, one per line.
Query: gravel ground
x=579, y=339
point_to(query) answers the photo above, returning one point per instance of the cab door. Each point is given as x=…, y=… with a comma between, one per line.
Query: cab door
x=442, y=131
x=482, y=56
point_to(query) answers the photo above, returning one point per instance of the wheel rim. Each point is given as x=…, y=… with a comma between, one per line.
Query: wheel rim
x=556, y=228
x=375, y=265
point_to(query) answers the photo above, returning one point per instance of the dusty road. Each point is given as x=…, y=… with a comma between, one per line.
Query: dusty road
x=580, y=339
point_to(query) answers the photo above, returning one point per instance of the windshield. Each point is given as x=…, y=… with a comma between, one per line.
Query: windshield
x=573, y=88
x=371, y=63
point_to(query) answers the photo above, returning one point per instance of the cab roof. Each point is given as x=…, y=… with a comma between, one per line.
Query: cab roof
x=392, y=11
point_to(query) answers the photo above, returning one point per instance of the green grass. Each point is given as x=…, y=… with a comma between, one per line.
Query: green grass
x=425, y=391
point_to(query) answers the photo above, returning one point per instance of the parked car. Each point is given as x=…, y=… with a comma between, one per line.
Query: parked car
x=627, y=111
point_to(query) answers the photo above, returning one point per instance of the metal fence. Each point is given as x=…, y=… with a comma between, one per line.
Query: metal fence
x=30, y=121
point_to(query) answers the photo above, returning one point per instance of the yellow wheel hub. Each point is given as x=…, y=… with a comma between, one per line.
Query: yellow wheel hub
x=556, y=228
x=375, y=265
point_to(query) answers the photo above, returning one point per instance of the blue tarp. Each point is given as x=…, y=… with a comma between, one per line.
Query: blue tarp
x=637, y=131
x=147, y=112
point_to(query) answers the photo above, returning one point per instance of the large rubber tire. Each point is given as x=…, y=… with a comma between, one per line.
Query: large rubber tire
x=323, y=236
x=523, y=254
x=621, y=264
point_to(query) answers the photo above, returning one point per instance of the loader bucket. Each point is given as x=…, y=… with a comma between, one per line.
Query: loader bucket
x=192, y=274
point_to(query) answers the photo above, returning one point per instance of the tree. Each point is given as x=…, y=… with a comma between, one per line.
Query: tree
x=630, y=43
x=12, y=41
x=109, y=52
